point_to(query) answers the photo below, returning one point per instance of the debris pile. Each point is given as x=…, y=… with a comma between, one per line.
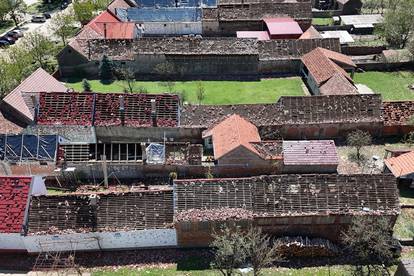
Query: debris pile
x=217, y=214
x=306, y=247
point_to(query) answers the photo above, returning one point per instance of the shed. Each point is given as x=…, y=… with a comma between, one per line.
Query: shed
x=312, y=156
x=283, y=28
x=401, y=166
x=363, y=19
x=344, y=36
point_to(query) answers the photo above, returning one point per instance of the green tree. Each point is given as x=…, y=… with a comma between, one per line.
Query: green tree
x=40, y=47
x=398, y=25
x=358, y=139
x=201, y=91
x=62, y=25
x=86, y=85
x=127, y=77
x=14, y=9
x=84, y=10
x=369, y=240
x=106, y=69
x=229, y=251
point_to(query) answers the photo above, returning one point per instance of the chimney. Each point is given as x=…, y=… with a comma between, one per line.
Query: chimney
x=153, y=113
x=122, y=109
x=105, y=30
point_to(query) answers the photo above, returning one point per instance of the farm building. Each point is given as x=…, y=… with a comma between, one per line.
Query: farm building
x=324, y=72
x=293, y=205
x=401, y=166
x=282, y=28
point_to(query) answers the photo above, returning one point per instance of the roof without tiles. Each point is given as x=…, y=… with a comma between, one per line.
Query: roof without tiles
x=259, y=35
x=323, y=64
x=313, y=152
x=14, y=193
x=231, y=133
x=38, y=81
x=8, y=127
x=401, y=165
x=116, y=4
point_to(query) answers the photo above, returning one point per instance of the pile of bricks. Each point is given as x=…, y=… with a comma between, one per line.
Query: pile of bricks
x=14, y=192
x=65, y=109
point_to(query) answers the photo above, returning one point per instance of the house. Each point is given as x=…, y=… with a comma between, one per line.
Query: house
x=349, y=7
x=311, y=33
x=310, y=156
x=18, y=105
x=234, y=141
x=324, y=72
x=282, y=28
x=401, y=166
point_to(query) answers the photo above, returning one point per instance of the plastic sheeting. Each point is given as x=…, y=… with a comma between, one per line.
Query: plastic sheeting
x=155, y=153
x=28, y=147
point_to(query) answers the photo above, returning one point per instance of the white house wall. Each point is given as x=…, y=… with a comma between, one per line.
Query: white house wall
x=12, y=241
x=102, y=240
x=172, y=28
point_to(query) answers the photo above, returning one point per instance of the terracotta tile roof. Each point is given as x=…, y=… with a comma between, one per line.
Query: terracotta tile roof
x=282, y=26
x=401, y=165
x=324, y=64
x=337, y=85
x=269, y=150
x=14, y=193
x=8, y=127
x=312, y=152
x=38, y=81
x=231, y=133
x=310, y=33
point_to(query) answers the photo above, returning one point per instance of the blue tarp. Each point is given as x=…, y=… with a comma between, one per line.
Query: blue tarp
x=28, y=147
x=164, y=14
x=176, y=3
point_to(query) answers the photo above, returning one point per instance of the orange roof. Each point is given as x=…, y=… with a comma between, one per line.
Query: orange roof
x=322, y=64
x=115, y=28
x=337, y=85
x=8, y=127
x=401, y=165
x=38, y=81
x=231, y=133
x=310, y=33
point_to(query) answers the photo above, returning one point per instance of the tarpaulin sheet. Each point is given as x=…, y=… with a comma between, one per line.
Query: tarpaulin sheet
x=28, y=147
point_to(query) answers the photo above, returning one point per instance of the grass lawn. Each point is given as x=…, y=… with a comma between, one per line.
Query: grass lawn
x=216, y=92
x=322, y=21
x=404, y=227
x=5, y=25
x=311, y=271
x=392, y=86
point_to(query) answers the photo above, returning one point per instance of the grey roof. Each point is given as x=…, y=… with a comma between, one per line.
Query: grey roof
x=71, y=134
x=164, y=14
x=361, y=19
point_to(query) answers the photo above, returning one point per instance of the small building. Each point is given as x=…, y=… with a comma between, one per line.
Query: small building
x=18, y=105
x=310, y=156
x=233, y=141
x=349, y=7
x=283, y=28
x=344, y=36
x=324, y=72
x=401, y=166
x=311, y=33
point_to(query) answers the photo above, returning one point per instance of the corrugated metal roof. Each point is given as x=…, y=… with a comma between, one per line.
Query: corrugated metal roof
x=344, y=36
x=401, y=165
x=361, y=19
x=282, y=26
x=259, y=35
x=312, y=152
x=38, y=81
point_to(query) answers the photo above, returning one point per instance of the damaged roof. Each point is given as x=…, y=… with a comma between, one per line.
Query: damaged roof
x=311, y=152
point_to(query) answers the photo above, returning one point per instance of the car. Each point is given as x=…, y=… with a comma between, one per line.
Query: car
x=9, y=39
x=15, y=33
x=4, y=43
x=47, y=15
x=40, y=18
x=64, y=5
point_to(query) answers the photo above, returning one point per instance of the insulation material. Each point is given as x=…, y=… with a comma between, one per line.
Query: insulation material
x=155, y=153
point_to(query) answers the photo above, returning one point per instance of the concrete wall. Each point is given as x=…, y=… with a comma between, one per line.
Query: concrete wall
x=102, y=240
x=11, y=242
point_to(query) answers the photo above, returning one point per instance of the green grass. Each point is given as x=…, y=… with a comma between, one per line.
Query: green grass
x=216, y=92
x=51, y=191
x=311, y=271
x=322, y=21
x=392, y=86
x=404, y=227
x=5, y=25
